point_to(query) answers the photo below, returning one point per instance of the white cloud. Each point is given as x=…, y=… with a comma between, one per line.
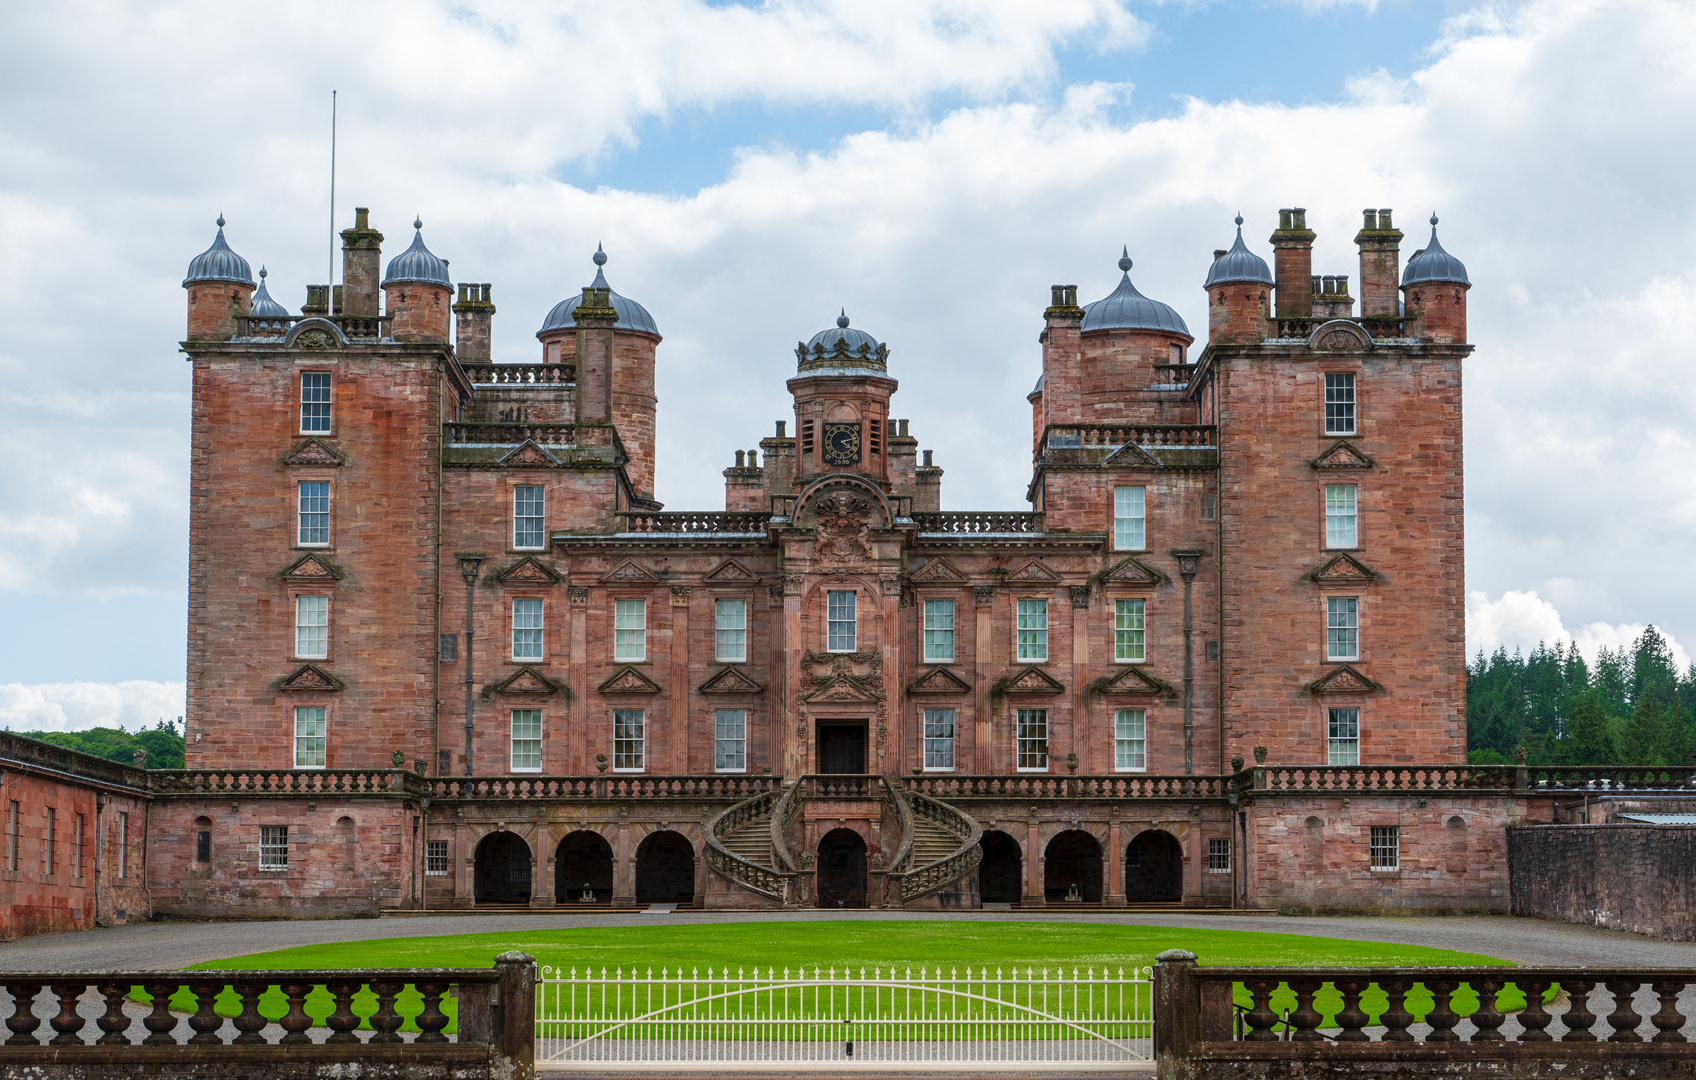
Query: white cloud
x=73, y=706
x=1523, y=620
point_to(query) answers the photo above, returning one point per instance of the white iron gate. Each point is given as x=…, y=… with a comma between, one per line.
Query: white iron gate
x=959, y=1018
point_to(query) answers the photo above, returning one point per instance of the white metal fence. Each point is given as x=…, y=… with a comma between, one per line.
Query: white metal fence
x=981, y=1019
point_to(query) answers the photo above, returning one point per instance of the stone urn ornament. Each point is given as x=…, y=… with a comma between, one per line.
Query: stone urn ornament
x=1236, y=763
x=601, y=762
x=398, y=759
x=1260, y=755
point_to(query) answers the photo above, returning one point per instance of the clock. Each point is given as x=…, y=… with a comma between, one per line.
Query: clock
x=842, y=444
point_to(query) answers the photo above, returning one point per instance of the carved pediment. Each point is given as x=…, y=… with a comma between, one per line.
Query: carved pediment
x=731, y=680
x=1343, y=679
x=842, y=688
x=937, y=572
x=1344, y=570
x=1340, y=335
x=630, y=571
x=529, y=571
x=939, y=681
x=1343, y=455
x=310, y=678
x=730, y=572
x=1133, y=455
x=526, y=680
x=1132, y=571
x=311, y=569
x=1032, y=680
x=314, y=452
x=1130, y=680
x=1035, y=570
x=528, y=455
x=628, y=680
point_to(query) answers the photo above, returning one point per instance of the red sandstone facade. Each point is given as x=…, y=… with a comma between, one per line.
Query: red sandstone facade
x=445, y=584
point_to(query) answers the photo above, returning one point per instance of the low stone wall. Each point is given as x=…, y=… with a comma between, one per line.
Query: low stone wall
x=1623, y=877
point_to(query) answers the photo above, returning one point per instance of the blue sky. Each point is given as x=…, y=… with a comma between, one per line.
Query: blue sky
x=933, y=165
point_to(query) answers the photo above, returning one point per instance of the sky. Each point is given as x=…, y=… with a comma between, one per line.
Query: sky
x=931, y=165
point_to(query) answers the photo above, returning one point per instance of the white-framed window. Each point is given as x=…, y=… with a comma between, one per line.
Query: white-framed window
x=314, y=516
x=630, y=630
x=730, y=740
x=1342, y=628
x=1219, y=855
x=1386, y=847
x=939, y=740
x=1130, y=519
x=311, y=734
x=526, y=629
x=312, y=627
x=314, y=402
x=1339, y=403
x=435, y=858
x=1130, y=740
x=1343, y=739
x=841, y=625
x=1031, y=735
x=123, y=842
x=527, y=516
x=939, y=631
x=730, y=631
x=1341, y=517
x=1129, y=631
x=527, y=740
x=629, y=740
x=1033, y=630
x=273, y=847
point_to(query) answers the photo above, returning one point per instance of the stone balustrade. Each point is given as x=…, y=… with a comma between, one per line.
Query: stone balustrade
x=1115, y=786
x=979, y=521
x=505, y=375
x=739, y=522
x=1175, y=436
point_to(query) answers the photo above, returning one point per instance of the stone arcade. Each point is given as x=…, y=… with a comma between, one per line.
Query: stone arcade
x=446, y=649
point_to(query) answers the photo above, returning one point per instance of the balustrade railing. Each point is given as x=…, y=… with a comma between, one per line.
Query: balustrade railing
x=457, y=433
x=766, y=881
x=979, y=521
x=346, y=1019
x=740, y=522
x=1377, y=326
x=615, y=786
x=841, y=786
x=1593, y=779
x=912, y=883
x=1039, y=786
x=280, y=781
x=1383, y=778
x=1178, y=436
x=355, y=327
x=520, y=374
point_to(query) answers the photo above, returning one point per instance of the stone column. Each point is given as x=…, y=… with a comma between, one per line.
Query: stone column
x=623, y=869
x=465, y=865
x=1082, y=738
x=579, y=755
x=1115, y=864
x=983, y=744
x=679, y=699
x=542, y=867
x=797, y=754
x=1035, y=867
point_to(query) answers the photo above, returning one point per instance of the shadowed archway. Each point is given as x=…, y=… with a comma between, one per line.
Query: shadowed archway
x=1072, y=868
x=1154, y=868
x=842, y=870
x=583, y=869
x=502, y=870
x=999, y=873
x=665, y=869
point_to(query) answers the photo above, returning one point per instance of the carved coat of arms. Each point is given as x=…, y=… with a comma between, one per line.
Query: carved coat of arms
x=844, y=529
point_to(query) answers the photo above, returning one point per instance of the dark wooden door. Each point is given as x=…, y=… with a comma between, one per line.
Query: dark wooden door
x=842, y=748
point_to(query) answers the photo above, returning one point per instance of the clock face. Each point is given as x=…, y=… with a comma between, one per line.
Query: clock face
x=842, y=444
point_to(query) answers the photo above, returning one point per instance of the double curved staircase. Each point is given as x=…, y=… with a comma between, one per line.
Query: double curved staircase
x=748, y=844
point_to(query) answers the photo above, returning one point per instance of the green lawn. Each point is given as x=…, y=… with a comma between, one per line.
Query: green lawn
x=884, y=944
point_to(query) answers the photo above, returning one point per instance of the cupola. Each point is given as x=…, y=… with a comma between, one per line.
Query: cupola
x=1238, y=264
x=219, y=263
x=631, y=315
x=1434, y=264
x=1127, y=309
x=842, y=347
x=219, y=286
x=418, y=293
x=1434, y=289
x=263, y=306
x=417, y=264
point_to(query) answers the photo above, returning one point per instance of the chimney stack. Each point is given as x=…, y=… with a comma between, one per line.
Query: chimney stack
x=1292, y=245
x=362, y=259
x=1380, y=245
x=474, y=315
x=1062, y=358
x=595, y=318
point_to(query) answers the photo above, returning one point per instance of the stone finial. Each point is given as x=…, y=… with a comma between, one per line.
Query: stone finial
x=398, y=759
x=1260, y=755
x=139, y=758
x=1175, y=956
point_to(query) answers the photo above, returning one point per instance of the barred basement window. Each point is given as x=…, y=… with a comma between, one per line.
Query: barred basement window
x=629, y=741
x=1219, y=855
x=315, y=402
x=273, y=847
x=730, y=631
x=939, y=631
x=1339, y=403
x=730, y=740
x=939, y=740
x=1129, y=631
x=1032, y=740
x=1386, y=847
x=841, y=625
x=1210, y=508
x=448, y=648
x=436, y=858
x=527, y=517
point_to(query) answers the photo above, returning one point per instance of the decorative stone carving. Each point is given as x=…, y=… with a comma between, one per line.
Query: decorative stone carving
x=628, y=680
x=983, y=594
x=1034, y=571
x=529, y=571
x=843, y=532
x=629, y=572
x=311, y=678
x=731, y=680
x=529, y=456
x=578, y=594
x=680, y=595
x=939, y=681
x=1343, y=454
x=526, y=680
x=729, y=572
x=937, y=572
x=1344, y=570
x=1079, y=594
x=1031, y=680
x=311, y=570
x=313, y=453
x=1132, y=571
x=1343, y=679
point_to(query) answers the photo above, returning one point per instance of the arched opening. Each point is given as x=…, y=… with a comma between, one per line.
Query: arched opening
x=665, y=869
x=842, y=869
x=502, y=870
x=583, y=869
x=1072, y=868
x=998, y=873
x=347, y=859
x=1154, y=868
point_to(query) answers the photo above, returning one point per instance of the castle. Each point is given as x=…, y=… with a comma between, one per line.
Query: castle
x=446, y=649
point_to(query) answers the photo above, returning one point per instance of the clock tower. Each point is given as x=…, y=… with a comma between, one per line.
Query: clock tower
x=842, y=391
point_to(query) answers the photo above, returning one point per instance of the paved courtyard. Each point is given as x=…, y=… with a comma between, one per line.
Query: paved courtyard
x=167, y=945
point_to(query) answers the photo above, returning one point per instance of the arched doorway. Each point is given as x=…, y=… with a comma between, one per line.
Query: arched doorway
x=1154, y=868
x=502, y=873
x=998, y=874
x=665, y=869
x=842, y=869
x=1072, y=868
x=583, y=869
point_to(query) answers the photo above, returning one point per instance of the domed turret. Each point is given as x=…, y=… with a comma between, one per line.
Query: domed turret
x=842, y=346
x=1238, y=264
x=263, y=306
x=1127, y=309
x=417, y=264
x=219, y=263
x=1434, y=264
x=631, y=315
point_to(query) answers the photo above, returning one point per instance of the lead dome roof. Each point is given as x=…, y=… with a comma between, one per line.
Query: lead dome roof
x=1239, y=264
x=1127, y=309
x=219, y=263
x=631, y=315
x=418, y=263
x=842, y=337
x=264, y=307
x=1434, y=264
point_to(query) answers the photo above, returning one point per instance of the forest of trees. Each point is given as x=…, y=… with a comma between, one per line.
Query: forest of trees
x=163, y=743
x=1633, y=708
